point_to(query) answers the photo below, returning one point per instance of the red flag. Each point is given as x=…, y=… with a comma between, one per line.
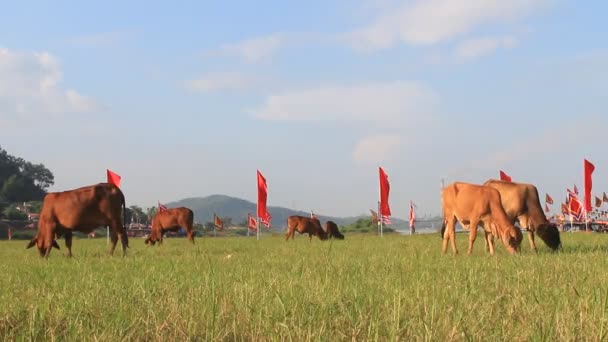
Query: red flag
x=217, y=222
x=251, y=222
x=548, y=199
x=161, y=207
x=263, y=213
x=113, y=178
x=412, y=215
x=546, y=208
x=504, y=177
x=575, y=207
x=589, y=168
x=564, y=209
x=266, y=221
x=575, y=190
x=605, y=198
x=598, y=202
x=385, y=188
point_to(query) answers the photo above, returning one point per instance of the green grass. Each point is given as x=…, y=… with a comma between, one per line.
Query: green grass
x=363, y=288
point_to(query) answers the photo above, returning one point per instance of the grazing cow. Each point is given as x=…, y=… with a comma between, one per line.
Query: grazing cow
x=171, y=220
x=473, y=205
x=521, y=203
x=331, y=228
x=82, y=210
x=304, y=224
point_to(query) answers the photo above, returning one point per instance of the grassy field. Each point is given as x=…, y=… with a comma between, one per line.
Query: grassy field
x=363, y=288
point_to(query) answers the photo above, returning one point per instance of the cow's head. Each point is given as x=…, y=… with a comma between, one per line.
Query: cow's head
x=512, y=237
x=150, y=241
x=549, y=233
x=40, y=244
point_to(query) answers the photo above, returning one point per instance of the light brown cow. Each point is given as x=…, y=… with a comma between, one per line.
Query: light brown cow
x=331, y=228
x=521, y=203
x=171, y=220
x=82, y=210
x=474, y=205
x=303, y=224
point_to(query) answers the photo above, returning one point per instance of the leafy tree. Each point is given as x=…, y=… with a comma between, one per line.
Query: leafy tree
x=12, y=213
x=137, y=214
x=21, y=180
x=151, y=212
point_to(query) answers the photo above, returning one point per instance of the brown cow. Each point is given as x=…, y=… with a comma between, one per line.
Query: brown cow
x=82, y=210
x=171, y=220
x=304, y=224
x=331, y=228
x=473, y=205
x=521, y=203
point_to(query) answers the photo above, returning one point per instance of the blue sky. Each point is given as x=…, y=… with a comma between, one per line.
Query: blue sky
x=189, y=99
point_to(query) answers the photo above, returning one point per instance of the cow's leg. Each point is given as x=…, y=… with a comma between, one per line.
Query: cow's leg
x=48, y=241
x=124, y=240
x=68, y=241
x=472, y=235
x=490, y=242
x=449, y=235
x=190, y=233
x=113, y=239
x=531, y=238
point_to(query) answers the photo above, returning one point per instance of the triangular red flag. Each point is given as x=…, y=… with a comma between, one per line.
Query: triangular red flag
x=504, y=177
x=548, y=199
x=546, y=208
x=113, y=178
x=251, y=222
x=217, y=222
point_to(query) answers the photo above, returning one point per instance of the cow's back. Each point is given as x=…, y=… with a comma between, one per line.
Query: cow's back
x=83, y=208
x=174, y=217
x=519, y=199
x=303, y=224
x=464, y=199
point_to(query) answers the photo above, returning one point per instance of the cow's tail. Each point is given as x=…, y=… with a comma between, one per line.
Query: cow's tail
x=124, y=220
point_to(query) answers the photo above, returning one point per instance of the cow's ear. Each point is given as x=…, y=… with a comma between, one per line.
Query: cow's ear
x=32, y=243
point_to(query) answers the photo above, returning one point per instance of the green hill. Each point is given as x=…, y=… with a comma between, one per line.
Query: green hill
x=237, y=209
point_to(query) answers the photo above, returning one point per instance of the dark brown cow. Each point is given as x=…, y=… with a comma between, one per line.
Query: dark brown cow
x=474, y=205
x=81, y=210
x=303, y=224
x=171, y=220
x=521, y=204
x=331, y=228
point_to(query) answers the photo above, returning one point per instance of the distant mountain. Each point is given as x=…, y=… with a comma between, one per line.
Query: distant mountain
x=237, y=209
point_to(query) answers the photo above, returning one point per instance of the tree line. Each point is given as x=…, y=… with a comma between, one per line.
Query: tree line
x=21, y=182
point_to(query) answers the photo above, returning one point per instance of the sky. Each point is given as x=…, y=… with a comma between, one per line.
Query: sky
x=190, y=98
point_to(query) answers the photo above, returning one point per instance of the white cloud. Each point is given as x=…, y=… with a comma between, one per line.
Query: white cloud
x=30, y=87
x=219, y=81
x=427, y=22
x=477, y=47
x=386, y=103
x=253, y=50
x=376, y=149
